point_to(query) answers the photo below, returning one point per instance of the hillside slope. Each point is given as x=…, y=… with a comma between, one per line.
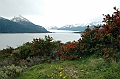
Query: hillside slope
x=8, y=26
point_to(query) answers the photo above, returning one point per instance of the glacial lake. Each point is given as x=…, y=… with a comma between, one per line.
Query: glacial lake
x=17, y=39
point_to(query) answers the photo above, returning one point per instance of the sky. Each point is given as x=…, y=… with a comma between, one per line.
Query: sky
x=58, y=12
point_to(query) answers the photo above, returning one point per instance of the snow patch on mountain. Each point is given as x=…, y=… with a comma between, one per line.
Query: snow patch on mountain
x=77, y=25
x=86, y=24
x=19, y=19
x=51, y=27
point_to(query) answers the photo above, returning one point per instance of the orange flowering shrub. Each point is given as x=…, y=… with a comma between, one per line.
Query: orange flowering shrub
x=69, y=51
x=103, y=40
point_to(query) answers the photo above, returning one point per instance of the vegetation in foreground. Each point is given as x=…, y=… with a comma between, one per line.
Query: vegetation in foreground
x=84, y=68
x=96, y=55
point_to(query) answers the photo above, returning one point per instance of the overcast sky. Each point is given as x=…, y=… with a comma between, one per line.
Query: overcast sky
x=58, y=12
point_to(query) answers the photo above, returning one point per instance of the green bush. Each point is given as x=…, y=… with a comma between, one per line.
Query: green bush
x=5, y=53
x=25, y=50
x=43, y=47
x=38, y=47
x=8, y=72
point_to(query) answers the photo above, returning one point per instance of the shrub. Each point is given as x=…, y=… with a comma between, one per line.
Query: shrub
x=8, y=72
x=43, y=47
x=25, y=50
x=69, y=51
x=102, y=41
x=6, y=53
x=38, y=47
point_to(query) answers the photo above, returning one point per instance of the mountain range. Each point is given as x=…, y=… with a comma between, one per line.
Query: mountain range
x=77, y=27
x=20, y=24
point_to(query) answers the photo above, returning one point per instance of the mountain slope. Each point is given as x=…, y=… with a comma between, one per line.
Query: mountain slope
x=7, y=26
x=23, y=21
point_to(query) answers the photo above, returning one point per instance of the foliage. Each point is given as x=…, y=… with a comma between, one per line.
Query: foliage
x=25, y=50
x=38, y=47
x=69, y=51
x=44, y=47
x=88, y=68
x=103, y=41
x=8, y=72
x=5, y=54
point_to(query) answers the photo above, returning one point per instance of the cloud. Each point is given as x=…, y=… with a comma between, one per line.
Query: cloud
x=15, y=7
x=58, y=12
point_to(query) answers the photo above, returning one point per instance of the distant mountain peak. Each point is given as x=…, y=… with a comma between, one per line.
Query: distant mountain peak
x=19, y=18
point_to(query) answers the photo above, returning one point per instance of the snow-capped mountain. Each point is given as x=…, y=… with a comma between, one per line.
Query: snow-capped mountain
x=25, y=22
x=86, y=24
x=77, y=27
x=19, y=19
x=94, y=23
x=52, y=27
x=8, y=26
x=19, y=25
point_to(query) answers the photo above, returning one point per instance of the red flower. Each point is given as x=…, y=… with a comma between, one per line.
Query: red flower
x=68, y=45
x=63, y=47
x=72, y=57
x=99, y=31
x=59, y=52
x=63, y=57
x=118, y=20
x=97, y=35
x=106, y=32
x=72, y=46
x=104, y=26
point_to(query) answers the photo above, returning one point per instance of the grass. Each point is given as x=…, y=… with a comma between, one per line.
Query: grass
x=85, y=68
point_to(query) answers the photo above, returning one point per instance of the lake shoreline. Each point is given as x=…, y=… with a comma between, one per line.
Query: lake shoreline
x=17, y=39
